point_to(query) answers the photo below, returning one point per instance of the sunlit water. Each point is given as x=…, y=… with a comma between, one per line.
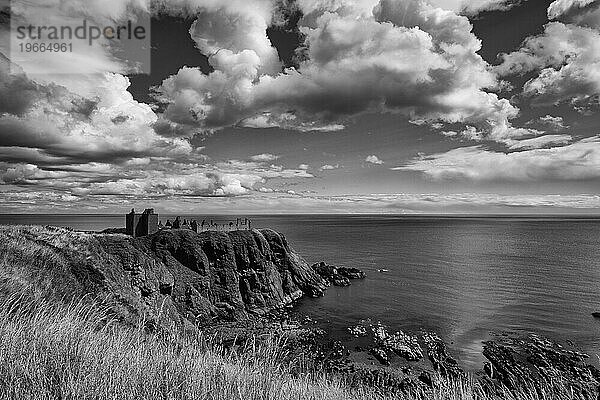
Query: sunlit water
x=461, y=277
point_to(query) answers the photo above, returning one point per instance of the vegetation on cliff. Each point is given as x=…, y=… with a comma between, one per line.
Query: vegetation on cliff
x=175, y=277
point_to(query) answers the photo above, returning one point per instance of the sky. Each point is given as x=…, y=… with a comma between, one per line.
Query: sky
x=309, y=106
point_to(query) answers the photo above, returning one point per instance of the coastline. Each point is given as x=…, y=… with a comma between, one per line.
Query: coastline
x=403, y=359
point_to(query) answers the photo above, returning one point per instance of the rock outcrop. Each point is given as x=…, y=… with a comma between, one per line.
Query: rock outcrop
x=514, y=360
x=442, y=361
x=337, y=276
x=172, y=277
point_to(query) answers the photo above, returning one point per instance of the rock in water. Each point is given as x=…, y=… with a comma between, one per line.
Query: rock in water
x=172, y=277
x=404, y=345
x=380, y=355
x=351, y=273
x=358, y=331
x=533, y=359
x=379, y=333
x=438, y=355
x=338, y=276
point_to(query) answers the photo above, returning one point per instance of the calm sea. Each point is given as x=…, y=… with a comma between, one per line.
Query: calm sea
x=461, y=277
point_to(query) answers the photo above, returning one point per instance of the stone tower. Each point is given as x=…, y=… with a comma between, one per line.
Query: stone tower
x=141, y=224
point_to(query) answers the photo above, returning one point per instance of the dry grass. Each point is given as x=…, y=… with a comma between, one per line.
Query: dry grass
x=72, y=352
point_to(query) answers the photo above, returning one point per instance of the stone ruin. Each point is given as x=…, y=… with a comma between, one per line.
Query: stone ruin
x=143, y=224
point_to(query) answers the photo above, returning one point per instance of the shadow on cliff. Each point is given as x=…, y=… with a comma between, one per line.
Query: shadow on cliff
x=174, y=277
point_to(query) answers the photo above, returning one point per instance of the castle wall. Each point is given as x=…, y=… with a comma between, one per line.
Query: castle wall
x=137, y=225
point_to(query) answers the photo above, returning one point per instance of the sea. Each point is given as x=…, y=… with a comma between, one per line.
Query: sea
x=466, y=278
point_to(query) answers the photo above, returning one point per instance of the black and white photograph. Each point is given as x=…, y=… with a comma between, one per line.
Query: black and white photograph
x=300, y=199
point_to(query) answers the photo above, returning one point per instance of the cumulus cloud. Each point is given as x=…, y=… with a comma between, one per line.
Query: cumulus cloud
x=373, y=159
x=152, y=178
x=329, y=167
x=26, y=173
x=62, y=124
x=560, y=8
x=105, y=144
x=401, y=56
x=565, y=58
x=576, y=161
x=472, y=7
x=550, y=122
x=51, y=117
x=265, y=157
x=97, y=57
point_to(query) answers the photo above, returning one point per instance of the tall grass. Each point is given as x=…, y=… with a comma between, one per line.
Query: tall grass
x=72, y=352
x=51, y=351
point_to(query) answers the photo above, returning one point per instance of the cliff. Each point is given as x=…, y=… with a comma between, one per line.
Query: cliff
x=172, y=277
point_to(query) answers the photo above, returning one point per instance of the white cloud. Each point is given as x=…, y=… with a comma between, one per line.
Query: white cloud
x=402, y=56
x=96, y=58
x=373, y=159
x=577, y=161
x=562, y=7
x=565, y=58
x=51, y=119
x=329, y=167
x=86, y=137
x=271, y=201
x=472, y=7
x=539, y=142
x=265, y=157
x=27, y=173
x=550, y=122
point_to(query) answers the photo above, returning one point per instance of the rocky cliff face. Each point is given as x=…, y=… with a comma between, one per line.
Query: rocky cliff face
x=173, y=277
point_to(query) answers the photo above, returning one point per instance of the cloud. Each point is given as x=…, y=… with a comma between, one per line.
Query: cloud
x=550, y=122
x=265, y=157
x=539, y=142
x=52, y=119
x=84, y=138
x=561, y=8
x=288, y=120
x=261, y=169
x=565, y=58
x=106, y=145
x=576, y=161
x=166, y=185
x=329, y=167
x=372, y=159
x=473, y=7
x=150, y=178
x=26, y=173
x=272, y=201
x=391, y=56
x=232, y=185
x=99, y=57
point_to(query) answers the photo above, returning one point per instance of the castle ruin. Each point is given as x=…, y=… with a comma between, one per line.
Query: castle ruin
x=141, y=224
